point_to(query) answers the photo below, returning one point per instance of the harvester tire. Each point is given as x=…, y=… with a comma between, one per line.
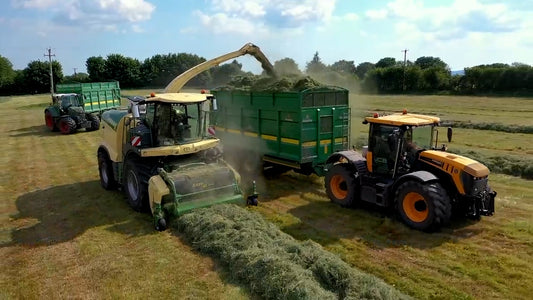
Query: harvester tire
x=136, y=176
x=49, y=120
x=423, y=206
x=66, y=125
x=341, y=185
x=95, y=122
x=105, y=168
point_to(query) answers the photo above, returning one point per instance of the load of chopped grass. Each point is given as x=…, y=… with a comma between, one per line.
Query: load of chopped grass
x=272, y=263
x=268, y=84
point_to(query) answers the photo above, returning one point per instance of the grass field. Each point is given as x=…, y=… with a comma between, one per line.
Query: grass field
x=63, y=236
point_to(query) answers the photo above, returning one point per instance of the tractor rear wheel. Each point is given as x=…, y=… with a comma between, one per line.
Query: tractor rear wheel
x=136, y=176
x=66, y=125
x=95, y=122
x=49, y=120
x=423, y=206
x=341, y=185
x=105, y=168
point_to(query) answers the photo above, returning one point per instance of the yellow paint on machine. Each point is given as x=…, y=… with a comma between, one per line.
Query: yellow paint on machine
x=269, y=137
x=250, y=134
x=290, y=141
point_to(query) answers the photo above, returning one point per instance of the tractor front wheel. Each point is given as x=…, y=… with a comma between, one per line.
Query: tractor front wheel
x=95, y=122
x=67, y=125
x=341, y=185
x=136, y=176
x=105, y=168
x=49, y=120
x=423, y=206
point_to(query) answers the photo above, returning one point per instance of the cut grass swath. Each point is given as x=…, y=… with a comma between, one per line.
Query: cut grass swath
x=274, y=264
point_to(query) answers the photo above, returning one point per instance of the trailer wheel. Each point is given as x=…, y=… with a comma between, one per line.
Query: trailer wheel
x=67, y=125
x=107, y=180
x=49, y=120
x=136, y=176
x=341, y=185
x=95, y=123
x=423, y=206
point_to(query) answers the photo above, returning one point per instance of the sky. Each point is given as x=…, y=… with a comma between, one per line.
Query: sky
x=463, y=33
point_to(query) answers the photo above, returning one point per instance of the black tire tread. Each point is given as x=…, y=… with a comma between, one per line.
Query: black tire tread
x=112, y=183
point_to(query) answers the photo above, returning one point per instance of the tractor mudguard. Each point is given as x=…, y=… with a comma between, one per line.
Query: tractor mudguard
x=54, y=111
x=349, y=155
x=420, y=176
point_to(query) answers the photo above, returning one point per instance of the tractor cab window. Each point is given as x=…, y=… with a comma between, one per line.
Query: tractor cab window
x=420, y=137
x=68, y=101
x=384, y=140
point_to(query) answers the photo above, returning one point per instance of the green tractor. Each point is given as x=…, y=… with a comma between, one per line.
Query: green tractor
x=77, y=105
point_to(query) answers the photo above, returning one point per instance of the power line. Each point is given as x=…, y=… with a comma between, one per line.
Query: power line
x=51, y=73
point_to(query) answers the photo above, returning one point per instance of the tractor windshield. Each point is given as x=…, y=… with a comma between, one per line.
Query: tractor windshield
x=419, y=137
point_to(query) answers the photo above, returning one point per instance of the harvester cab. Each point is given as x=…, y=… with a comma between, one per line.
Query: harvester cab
x=403, y=168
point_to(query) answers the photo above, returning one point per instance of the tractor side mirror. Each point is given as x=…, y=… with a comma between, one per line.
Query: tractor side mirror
x=450, y=133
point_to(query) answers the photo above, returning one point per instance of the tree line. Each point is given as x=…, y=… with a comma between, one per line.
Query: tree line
x=426, y=74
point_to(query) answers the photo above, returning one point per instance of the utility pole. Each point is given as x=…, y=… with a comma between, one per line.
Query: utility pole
x=51, y=73
x=404, y=65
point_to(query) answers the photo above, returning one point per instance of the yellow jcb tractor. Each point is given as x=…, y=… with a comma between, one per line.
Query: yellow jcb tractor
x=161, y=154
x=402, y=169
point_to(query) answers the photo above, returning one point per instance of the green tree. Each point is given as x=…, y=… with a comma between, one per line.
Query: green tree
x=7, y=74
x=36, y=76
x=315, y=66
x=386, y=62
x=286, y=66
x=125, y=70
x=160, y=70
x=78, y=77
x=344, y=67
x=426, y=62
x=96, y=68
x=363, y=68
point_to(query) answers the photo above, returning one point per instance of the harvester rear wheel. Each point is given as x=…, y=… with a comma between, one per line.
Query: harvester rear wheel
x=136, y=176
x=341, y=185
x=49, y=120
x=423, y=206
x=105, y=168
x=66, y=125
x=95, y=122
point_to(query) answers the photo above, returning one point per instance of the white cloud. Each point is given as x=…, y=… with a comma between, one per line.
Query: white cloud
x=245, y=17
x=94, y=14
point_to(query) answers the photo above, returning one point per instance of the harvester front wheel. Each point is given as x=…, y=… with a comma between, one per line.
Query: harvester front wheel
x=423, y=206
x=95, y=122
x=67, y=125
x=136, y=175
x=107, y=180
x=49, y=120
x=341, y=185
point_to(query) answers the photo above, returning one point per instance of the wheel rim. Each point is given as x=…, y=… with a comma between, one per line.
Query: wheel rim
x=338, y=187
x=133, y=186
x=49, y=120
x=103, y=172
x=415, y=207
x=64, y=126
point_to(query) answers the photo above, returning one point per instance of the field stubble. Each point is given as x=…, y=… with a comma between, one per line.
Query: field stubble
x=64, y=236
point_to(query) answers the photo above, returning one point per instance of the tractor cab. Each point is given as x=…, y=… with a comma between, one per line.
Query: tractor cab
x=66, y=101
x=396, y=140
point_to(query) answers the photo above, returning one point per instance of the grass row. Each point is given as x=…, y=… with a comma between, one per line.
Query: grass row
x=491, y=126
x=272, y=263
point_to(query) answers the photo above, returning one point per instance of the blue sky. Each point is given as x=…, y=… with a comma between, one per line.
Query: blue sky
x=462, y=33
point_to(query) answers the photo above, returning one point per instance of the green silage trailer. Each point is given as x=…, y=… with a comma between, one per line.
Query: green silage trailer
x=78, y=105
x=282, y=130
